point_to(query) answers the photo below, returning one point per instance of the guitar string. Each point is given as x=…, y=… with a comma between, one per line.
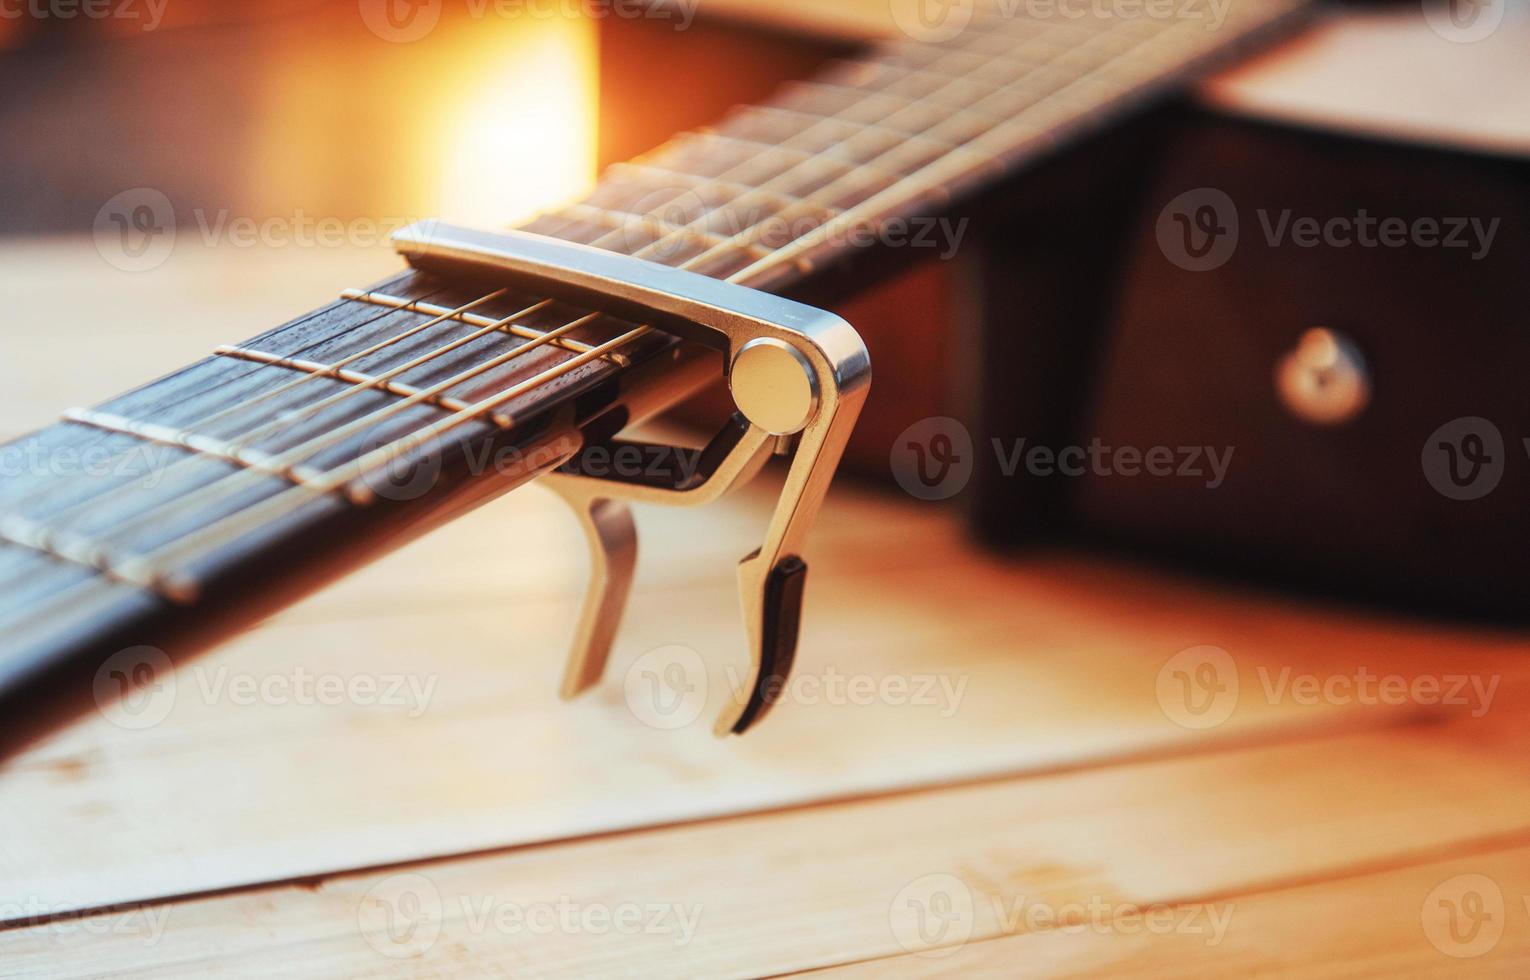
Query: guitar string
x=965, y=159
x=732, y=173
x=242, y=522
x=472, y=413
x=1010, y=89
x=308, y=449
x=385, y=453
x=465, y=418
x=244, y=405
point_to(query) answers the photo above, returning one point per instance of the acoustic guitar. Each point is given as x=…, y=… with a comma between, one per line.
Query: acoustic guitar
x=496, y=359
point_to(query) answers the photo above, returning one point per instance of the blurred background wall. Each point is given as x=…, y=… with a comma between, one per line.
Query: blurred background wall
x=344, y=109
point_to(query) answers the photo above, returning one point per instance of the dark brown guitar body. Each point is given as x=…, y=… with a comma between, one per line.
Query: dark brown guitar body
x=1064, y=322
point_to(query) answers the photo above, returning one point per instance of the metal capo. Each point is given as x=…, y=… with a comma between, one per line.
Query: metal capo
x=796, y=373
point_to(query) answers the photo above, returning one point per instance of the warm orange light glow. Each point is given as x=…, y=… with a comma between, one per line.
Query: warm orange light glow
x=522, y=135
x=485, y=121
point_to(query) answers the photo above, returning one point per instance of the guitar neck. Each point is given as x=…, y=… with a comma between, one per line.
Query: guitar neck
x=243, y=481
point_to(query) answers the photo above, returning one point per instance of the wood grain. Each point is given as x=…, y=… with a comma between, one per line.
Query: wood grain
x=1058, y=772
x=1409, y=922
x=777, y=893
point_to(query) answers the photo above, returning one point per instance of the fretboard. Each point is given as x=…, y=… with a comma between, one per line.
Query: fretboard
x=777, y=190
x=229, y=487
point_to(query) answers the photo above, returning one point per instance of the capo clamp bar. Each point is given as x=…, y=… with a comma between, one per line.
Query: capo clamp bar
x=796, y=374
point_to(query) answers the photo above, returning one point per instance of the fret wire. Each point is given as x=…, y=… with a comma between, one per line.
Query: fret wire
x=47, y=536
x=804, y=160
x=295, y=455
x=307, y=449
x=471, y=319
x=758, y=264
x=602, y=242
x=968, y=154
x=206, y=446
x=351, y=377
x=236, y=444
x=44, y=489
x=668, y=175
x=824, y=160
x=74, y=549
x=59, y=542
x=158, y=567
x=861, y=129
x=296, y=471
x=944, y=170
x=601, y=216
x=786, y=253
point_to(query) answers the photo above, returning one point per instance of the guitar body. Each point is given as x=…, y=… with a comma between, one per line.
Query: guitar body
x=1077, y=315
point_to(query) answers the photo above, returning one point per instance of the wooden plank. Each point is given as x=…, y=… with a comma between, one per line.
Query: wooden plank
x=1026, y=666
x=845, y=883
x=1470, y=915
x=1058, y=662
x=1017, y=667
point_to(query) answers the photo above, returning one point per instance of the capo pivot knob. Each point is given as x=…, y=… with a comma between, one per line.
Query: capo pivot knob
x=797, y=375
x=774, y=386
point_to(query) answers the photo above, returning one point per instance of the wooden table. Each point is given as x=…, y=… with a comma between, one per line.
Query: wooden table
x=991, y=767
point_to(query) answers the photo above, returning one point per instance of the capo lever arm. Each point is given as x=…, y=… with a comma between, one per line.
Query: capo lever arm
x=793, y=371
